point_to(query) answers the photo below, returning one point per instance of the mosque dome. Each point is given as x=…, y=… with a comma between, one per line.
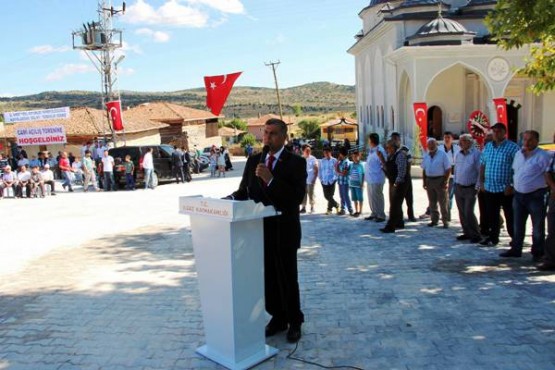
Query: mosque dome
x=441, y=31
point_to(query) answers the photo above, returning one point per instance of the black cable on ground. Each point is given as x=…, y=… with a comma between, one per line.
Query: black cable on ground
x=290, y=356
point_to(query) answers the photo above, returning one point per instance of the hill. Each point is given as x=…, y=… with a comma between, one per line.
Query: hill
x=244, y=102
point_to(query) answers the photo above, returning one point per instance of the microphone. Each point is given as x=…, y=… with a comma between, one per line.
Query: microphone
x=265, y=151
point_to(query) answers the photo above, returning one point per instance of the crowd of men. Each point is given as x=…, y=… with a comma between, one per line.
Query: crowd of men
x=519, y=180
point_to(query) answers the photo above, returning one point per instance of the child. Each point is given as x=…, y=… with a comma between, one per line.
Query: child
x=213, y=163
x=221, y=163
x=356, y=183
x=342, y=169
x=129, y=171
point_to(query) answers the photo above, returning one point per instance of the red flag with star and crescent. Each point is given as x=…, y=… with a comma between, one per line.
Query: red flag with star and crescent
x=501, y=109
x=421, y=116
x=114, y=111
x=218, y=89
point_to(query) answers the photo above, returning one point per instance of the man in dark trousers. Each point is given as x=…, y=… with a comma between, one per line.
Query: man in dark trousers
x=177, y=163
x=278, y=177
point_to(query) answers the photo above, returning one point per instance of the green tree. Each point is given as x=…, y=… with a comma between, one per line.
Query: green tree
x=248, y=139
x=310, y=128
x=238, y=124
x=515, y=23
x=297, y=109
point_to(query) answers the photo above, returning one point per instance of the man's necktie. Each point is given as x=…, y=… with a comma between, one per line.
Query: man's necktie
x=271, y=160
x=270, y=164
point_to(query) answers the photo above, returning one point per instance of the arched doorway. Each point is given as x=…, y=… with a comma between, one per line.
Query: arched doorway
x=435, y=122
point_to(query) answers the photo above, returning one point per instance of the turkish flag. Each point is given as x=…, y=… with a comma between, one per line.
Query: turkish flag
x=421, y=115
x=114, y=111
x=501, y=109
x=218, y=89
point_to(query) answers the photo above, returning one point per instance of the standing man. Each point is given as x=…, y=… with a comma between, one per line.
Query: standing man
x=375, y=178
x=467, y=174
x=66, y=170
x=328, y=177
x=397, y=174
x=451, y=149
x=530, y=188
x=89, y=171
x=278, y=179
x=177, y=164
x=496, y=177
x=312, y=175
x=435, y=179
x=148, y=167
x=548, y=263
x=409, y=197
x=108, y=170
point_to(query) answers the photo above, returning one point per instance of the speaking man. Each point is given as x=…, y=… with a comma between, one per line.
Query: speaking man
x=278, y=177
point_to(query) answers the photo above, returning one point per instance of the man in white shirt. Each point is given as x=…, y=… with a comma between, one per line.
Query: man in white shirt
x=148, y=167
x=8, y=180
x=375, y=178
x=451, y=149
x=48, y=178
x=530, y=187
x=435, y=178
x=312, y=175
x=23, y=181
x=108, y=170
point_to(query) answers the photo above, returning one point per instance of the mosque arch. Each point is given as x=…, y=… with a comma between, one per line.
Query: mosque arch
x=405, y=98
x=471, y=68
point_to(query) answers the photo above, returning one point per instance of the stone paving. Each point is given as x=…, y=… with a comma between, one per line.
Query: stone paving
x=108, y=281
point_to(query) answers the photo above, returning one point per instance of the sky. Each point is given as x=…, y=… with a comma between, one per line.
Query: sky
x=170, y=45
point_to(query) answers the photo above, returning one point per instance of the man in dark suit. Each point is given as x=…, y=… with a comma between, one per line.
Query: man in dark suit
x=177, y=163
x=278, y=179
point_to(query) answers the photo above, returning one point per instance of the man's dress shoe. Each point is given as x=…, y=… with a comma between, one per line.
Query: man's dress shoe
x=275, y=326
x=294, y=333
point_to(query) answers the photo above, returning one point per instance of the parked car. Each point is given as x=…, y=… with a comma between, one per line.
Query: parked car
x=161, y=155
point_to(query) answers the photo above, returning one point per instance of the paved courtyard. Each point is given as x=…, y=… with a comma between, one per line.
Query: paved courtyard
x=108, y=281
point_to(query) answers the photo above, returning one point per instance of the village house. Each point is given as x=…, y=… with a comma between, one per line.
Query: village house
x=255, y=126
x=185, y=126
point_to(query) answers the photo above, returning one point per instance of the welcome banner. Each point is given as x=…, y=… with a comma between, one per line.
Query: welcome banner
x=36, y=115
x=40, y=135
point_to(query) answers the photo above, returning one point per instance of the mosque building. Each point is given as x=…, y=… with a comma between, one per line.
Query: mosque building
x=440, y=53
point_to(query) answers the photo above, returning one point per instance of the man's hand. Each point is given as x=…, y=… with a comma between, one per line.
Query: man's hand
x=425, y=184
x=509, y=190
x=264, y=173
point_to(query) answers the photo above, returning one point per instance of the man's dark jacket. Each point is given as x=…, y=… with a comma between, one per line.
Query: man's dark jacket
x=285, y=192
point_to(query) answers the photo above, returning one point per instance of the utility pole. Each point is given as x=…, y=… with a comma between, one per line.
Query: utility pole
x=274, y=66
x=100, y=40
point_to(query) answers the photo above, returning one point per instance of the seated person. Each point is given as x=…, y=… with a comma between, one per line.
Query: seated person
x=48, y=178
x=36, y=182
x=8, y=180
x=23, y=181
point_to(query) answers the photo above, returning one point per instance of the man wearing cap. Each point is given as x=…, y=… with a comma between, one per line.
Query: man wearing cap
x=496, y=178
x=530, y=188
x=8, y=180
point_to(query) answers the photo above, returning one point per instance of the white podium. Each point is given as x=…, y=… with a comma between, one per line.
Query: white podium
x=228, y=239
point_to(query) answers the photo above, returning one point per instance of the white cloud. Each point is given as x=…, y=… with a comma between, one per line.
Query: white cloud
x=127, y=47
x=278, y=40
x=122, y=71
x=68, y=70
x=48, y=49
x=156, y=36
x=6, y=95
x=170, y=13
x=225, y=6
